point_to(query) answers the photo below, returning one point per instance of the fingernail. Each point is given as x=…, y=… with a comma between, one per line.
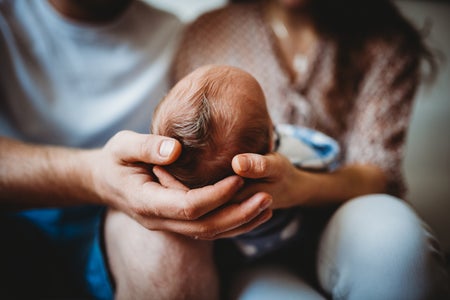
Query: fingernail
x=266, y=203
x=166, y=148
x=243, y=164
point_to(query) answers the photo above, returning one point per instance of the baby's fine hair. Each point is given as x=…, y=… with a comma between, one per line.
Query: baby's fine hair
x=201, y=117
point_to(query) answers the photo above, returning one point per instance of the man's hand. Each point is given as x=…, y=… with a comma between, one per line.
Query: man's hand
x=122, y=178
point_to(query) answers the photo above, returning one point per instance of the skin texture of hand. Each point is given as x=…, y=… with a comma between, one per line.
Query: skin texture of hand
x=124, y=167
x=291, y=187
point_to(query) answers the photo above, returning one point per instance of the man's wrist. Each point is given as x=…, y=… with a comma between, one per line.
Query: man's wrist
x=85, y=163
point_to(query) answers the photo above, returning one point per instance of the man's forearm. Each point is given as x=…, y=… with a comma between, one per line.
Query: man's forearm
x=42, y=176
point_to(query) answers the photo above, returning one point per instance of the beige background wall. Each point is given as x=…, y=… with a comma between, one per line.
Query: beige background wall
x=427, y=161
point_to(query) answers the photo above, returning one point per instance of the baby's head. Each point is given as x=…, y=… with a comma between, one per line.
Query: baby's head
x=215, y=112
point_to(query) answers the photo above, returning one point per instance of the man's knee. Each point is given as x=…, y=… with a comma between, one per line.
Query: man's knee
x=159, y=265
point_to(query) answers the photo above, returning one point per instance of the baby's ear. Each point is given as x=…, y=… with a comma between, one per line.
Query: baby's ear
x=167, y=180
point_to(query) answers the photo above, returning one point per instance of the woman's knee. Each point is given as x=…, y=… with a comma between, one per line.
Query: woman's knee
x=379, y=219
x=160, y=264
x=380, y=244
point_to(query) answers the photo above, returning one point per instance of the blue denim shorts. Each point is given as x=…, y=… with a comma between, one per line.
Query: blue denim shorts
x=48, y=253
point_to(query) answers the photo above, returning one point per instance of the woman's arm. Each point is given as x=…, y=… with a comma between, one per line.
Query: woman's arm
x=373, y=147
x=118, y=176
x=290, y=186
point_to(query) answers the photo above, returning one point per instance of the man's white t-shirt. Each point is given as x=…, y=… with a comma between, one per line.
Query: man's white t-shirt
x=76, y=84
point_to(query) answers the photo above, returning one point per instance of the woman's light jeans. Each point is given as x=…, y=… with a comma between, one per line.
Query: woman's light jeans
x=374, y=247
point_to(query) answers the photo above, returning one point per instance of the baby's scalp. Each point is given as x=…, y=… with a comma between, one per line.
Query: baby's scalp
x=215, y=112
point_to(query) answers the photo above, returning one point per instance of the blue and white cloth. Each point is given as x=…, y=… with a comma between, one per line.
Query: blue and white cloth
x=307, y=149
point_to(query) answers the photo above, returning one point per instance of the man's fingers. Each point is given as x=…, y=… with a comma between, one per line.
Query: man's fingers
x=255, y=166
x=263, y=217
x=168, y=180
x=250, y=190
x=233, y=217
x=130, y=146
x=191, y=204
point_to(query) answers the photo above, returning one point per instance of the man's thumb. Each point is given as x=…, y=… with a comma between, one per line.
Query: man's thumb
x=130, y=146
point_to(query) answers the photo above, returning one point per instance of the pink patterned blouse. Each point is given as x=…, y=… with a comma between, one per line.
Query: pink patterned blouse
x=377, y=120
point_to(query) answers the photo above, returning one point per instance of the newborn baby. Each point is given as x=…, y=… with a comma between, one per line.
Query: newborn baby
x=217, y=112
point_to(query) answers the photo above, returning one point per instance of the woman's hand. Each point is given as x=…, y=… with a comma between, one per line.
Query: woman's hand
x=122, y=178
x=276, y=176
x=290, y=186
